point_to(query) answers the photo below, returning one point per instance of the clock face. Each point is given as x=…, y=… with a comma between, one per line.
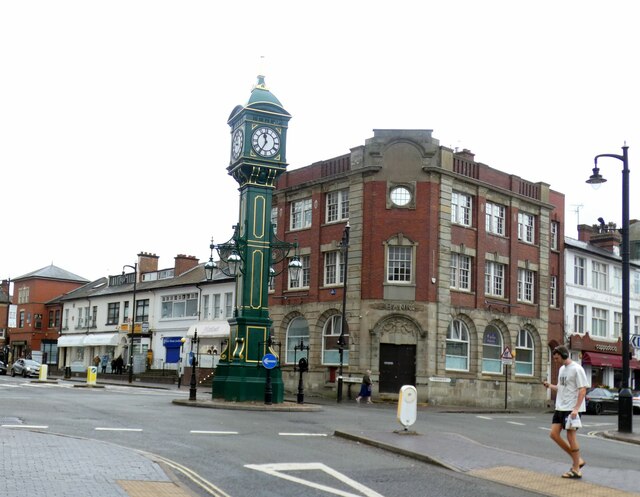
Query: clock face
x=237, y=144
x=265, y=141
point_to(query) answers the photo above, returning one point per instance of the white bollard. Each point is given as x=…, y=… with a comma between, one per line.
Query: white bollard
x=407, y=405
x=43, y=372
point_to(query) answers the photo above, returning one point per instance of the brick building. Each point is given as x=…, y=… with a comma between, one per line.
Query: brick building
x=450, y=261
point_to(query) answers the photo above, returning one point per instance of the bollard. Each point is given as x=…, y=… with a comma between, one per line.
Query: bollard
x=43, y=372
x=92, y=374
x=407, y=406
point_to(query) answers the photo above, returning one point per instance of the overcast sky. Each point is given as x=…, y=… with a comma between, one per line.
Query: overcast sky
x=113, y=114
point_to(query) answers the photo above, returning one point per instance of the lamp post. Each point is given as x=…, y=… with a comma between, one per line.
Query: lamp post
x=194, y=364
x=625, y=399
x=344, y=244
x=133, y=313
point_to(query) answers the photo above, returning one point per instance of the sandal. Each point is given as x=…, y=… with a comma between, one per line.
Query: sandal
x=572, y=474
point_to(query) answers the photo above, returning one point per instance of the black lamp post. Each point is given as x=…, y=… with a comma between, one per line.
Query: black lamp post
x=194, y=364
x=625, y=399
x=133, y=314
x=344, y=244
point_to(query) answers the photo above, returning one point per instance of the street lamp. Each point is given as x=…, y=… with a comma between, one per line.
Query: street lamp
x=344, y=244
x=133, y=313
x=625, y=399
x=194, y=364
x=210, y=266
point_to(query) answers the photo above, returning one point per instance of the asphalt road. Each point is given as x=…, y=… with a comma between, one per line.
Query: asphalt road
x=248, y=453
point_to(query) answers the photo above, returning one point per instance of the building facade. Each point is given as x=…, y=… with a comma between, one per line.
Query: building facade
x=593, y=320
x=450, y=262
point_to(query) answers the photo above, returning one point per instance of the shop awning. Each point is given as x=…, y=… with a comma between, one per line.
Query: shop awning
x=607, y=360
x=210, y=329
x=98, y=339
x=71, y=340
x=92, y=339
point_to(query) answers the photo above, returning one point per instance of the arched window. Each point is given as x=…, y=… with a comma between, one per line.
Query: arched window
x=457, y=355
x=524, y=353
x=492, y=350
x=330, y=337
x=298, y=330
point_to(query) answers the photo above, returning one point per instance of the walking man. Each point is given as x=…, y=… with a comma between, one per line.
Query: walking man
x=571, y=390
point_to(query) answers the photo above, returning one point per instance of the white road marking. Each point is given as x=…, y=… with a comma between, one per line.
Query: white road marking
x=27, y=427
x=484, y=417
x=117, y=429
x=516, y=423
x=207, y=432
x=285, y=434
x=278, y=470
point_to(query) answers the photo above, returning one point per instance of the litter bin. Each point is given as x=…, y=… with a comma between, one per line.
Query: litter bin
x=67, y=372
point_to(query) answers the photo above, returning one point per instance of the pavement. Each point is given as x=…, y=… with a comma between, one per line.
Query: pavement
x=67, y=466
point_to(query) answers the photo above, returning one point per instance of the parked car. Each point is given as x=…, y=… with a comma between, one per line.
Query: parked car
x=636, y=401
x=600, y=400
x=3, y=368
x=25, y=367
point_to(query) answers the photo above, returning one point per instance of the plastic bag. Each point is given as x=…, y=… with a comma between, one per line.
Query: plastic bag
x=573, y=423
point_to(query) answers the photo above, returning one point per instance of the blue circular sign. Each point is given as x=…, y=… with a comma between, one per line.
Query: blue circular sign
x=269, y=361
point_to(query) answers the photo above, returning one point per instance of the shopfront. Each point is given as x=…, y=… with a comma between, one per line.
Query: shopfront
x=602, y=361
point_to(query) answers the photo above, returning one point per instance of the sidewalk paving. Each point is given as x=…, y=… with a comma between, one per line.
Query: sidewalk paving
x=65, y=466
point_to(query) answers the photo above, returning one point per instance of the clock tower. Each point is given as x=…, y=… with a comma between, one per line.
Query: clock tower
x=257, y=158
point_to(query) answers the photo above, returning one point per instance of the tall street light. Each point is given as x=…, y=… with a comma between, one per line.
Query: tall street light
x=194, y=364
x=625, y=399
x=344, y=244
x=133, y=320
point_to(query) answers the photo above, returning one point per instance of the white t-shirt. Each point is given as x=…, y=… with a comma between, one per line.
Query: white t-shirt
x=571, y=378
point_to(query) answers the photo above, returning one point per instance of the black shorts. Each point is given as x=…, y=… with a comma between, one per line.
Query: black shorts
x=560, y=418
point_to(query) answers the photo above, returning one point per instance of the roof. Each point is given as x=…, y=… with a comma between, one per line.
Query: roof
x=261, y=99
x=593, y=249
x=52, y=273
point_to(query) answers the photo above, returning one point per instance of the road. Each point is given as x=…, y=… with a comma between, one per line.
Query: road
x=232, y=449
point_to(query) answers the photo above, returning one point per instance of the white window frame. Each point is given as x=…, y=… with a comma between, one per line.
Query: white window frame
x=617, y=324
x=461, y=209
x=457, y=335
x=599, y=322
x=399, y=264
x=303, y=275
x=330, y=330
x=553, y=291
x=600, y=276
x=460, y=272
x=494, y=278
x=495, y=216
x=293, y=340
x=524, y=344
x=333, y=268
x=301, y=214
x=579, y=317
x=526, y=286
x=579, y=268
x=526, y=227
x=274, y=220
x=555, y=230
x=337, y=206
x=492, y=352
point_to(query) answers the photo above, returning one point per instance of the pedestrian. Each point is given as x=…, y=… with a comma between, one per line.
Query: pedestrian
x=96, y=362
x=119, y=364
x=104, y=362
x=365, y=388
x=570, y=393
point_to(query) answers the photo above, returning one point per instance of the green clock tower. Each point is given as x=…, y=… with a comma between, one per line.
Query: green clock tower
x=258, y=157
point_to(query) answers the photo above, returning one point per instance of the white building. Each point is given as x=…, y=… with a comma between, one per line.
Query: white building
x=593, y=304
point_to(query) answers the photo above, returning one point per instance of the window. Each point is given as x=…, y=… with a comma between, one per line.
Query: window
x=21, y=319
x=333, y=268
x=617, y=280
x=51, y=321
x=553, y=291
x=23, y=295
x=126, y=312
x=636, y=283
x=457, y=354
x=94, y=317
x=460, y=272
x=113, y=313
x=495, y=215
x=142, y=311
x=461, y=209
x=337, y=206
x=217, y=307
x=399, y=264
x=599, y=321
x=179, y=305
x=297, y=330
x=274, y=220
x=494, y=279
x=526, y=227
x=400, y=196
x=555, y=228
x=599, y=276
x=301, y=214
x=303, y=275
x=66, y=319
x=617, y=324
x=578, y=318
x=228, y=304
x=525, y=286
x=636, y=325
x=524, y=353
x=205, y=307
x=492, y=350
x=330, y=336
x=58, y=318
x=579, y=264
x=37, y=321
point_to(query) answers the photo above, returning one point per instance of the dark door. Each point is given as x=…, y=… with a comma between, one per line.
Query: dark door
x=397, y=367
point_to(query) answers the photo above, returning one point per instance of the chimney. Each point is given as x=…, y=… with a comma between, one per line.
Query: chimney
x=603, y=235
x=466, y=154
x=147, y=263
x=584, y=232
x=183, y=263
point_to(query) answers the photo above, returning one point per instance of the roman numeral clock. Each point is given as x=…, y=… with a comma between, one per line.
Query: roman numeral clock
x=257, y=158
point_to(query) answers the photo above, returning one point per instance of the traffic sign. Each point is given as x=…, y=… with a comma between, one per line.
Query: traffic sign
x=634, y=340
x=269, y=361
x=507, y=356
